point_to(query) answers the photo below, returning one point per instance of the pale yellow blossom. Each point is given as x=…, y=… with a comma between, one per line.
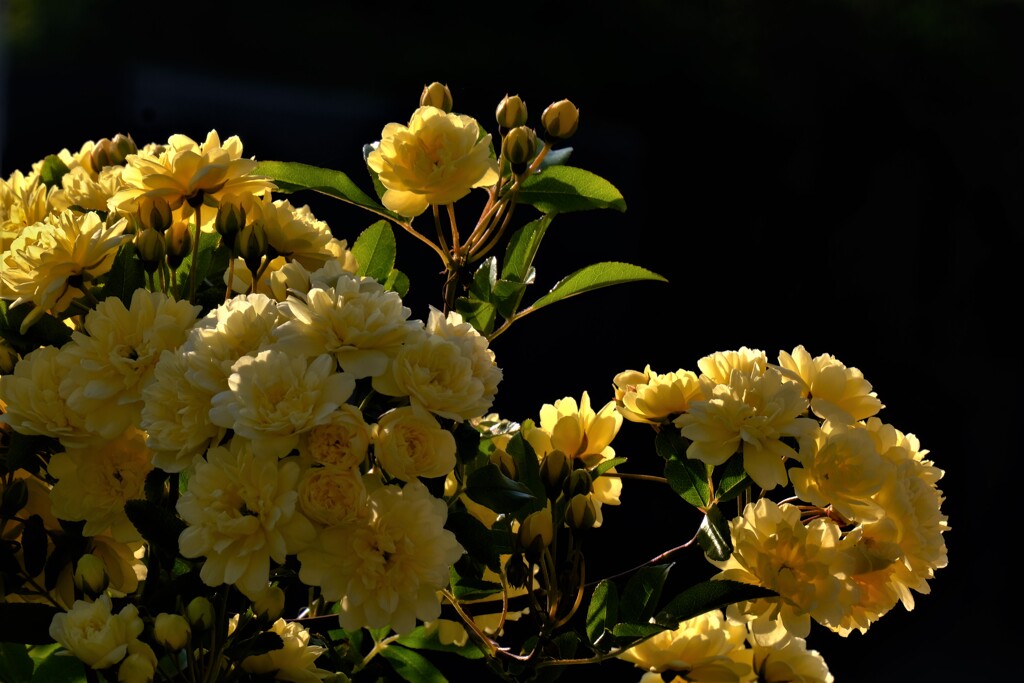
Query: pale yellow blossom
x=837, y=393
x=295, y=661
x=343, y=440
x=408, y=442
x=653, y=398
x=331, y=495
x=93, y=634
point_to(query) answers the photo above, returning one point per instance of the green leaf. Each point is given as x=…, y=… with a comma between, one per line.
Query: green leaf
x=506, y=296
x=522, y=249
x=468, y=587
x=467, y=441
x=566, y=643
x=259, y=644
x=640, y=597
x=474, y=537
x=15, y=664
x=158, y=525
x=13, y=499
x=52, y=666
x=714, y=536
x=422, y=638
x=52, y=171
x=602, y=610
x=208, y=242
x=126, y=275
x=291, y=176
x=632, y=632
x=689, y=479
x=412, y=666
x=397, y=282
x=527, y=469
x=593, y=277
x=375, y=251
x=480, y=314
x=670, y=444
x=483, y=279
x=606, y=465
x=26, y=622
x=706, y=596
x=489, y=487
x=730, y=479
x=561, y=189
x=24, y=451
x=47, y=331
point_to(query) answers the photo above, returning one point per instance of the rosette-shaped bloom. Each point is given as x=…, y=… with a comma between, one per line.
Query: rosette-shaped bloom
x=409, y=443
x=783, y=661
x=242, y=512
x=86, y=190
x=35, y=405
x=294, y=661
x=109, y=364
x=436, y=159
x=24, y=200
x=272, y=398
x=652, y=398
x=474, y=346
x=186, y=171
x=357, y=320
x=837, y=393
x=49, y=263
x=342, y=441
x=752, y=413
x=718, y=367
x=386, y=569
x=332, y=495
x=93, y=634
x=699, y=648
x=95, y=482
x=805, y=564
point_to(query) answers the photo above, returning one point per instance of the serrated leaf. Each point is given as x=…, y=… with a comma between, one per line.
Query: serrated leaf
x=706, y=596
x=593, y=277
x=422, y=638
x=641, y=594
x=489, y=487
x=474, y=537
x=412, y=666
x=397, y=282
x=292, y=176
x=522, y=249
x=15, y=664
x=602, y=610
x=52, y=171
x=480, y=314
x=125, y=276
x=483, y=279
x=606, y=465
x=26, y=622
x=375, y=251
x=561, y=189
x=689, y=479
x=714, y=536
x=730, y=479
x=507, y=295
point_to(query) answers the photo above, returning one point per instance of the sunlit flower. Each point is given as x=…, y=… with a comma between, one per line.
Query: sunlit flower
x=717, y=368
x=699, y=649
x=653, y=398
x=386, y=569
x=81, y=189
x=436, y=159
x=409, y=442
x=24, y=201
x=35, y=405
x=242, y=511
x=837, y=393
x=93, y=634
x=785, y=661
x=294, y=661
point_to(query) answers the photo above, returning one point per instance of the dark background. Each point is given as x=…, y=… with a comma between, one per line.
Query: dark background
x=844, y=175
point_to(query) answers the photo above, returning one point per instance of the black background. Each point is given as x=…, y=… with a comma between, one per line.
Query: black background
x=843, y=175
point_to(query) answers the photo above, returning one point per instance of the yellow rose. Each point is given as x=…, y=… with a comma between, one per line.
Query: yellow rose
x=94, y=635
x=436, y=159
x=410, y=443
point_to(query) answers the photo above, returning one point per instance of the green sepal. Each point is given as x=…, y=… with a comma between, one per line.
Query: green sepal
x=714, y=536
x=375, y=250
x=412, y=666
x=562, y=189
x=290, y=176
x=595, y=276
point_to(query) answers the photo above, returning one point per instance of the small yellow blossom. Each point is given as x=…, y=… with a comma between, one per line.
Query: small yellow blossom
x=294, y=661
x=837, y=393
x=24, y=200
x=652, y=398
x=93, y=634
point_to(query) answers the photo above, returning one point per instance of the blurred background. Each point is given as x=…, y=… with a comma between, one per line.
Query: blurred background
x=839, y=174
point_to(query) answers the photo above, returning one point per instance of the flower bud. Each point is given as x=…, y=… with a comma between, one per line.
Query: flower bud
x=251, y=246
x=581, y=512
x=554, y=470
x=560, y=120
x=511, y=113
x=518, y=148
x=178, y=243
x=91, y=576
x=537, y=531
x=437, y=95
x=151, y=248
x=140, y=664
x=199, y=613
x=580, y=482
x=154, y=213
x=8, y=357
x=230, y=220
x=269, y=605
x=120, y=147
x=171, y=631
x=516, y=571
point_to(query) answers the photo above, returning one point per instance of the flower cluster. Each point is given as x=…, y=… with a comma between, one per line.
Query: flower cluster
x=229, y=451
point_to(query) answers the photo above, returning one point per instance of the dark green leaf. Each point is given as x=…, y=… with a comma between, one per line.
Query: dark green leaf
x=489, y=487
x=51, y=666
x=706, y=596
x=522, y=249
x=467, y=586
x=566, y=644
x=643, y=590
x=397, y=282
x=412, y=666
x=158, y=525
x=33, y=546
x=26, y=622
x=52, y=171
x=46, y=331
x=15, y=664
x=480, y=314
x=606, y=465
x=506, y=296
x=474, y=537
x=126, y=275
x=156, y=483
x=292, y=177
x=26, y=451
x=689, y=478
x=422, y=638
x=631, y=632
x=483, y=280
x=594, y=277
x=730, y=479
x=208, y=243
x=375, y=251
x=670, y=444
x=561, y=189
x=527, y=469
x=714, y=536
x=603, y=610
x=467, y=442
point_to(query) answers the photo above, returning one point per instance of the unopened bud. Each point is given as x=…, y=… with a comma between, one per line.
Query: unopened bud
x=581, y=512
x=554, y=470
x=178, y=243
x=140, y=664
x=516, y=570
x=91, y=576
x=437, y=95
x=171, y=631
x=518, y=148
x=8, y=357
x=511, y=113
x=504, y=462
x=120, y=147
x=537, y=531
x=560, y=120
x=154, y=213
x=251, y=246
x=199, y=613
x=269, y=605
x=230, y=220
x=580, y=482
x=150, y=246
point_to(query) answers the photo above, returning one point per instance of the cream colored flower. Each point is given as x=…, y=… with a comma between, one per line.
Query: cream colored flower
x=408, y=442
x=294, y=661
x=242, y=512
x=652, y=398
x=837, y=393
x=701, y=644
x=357, y=320
x=112, y=361
x=273, y=397
x=24, y=201
x=474, y=346
x=386, y=569
x=343, y=440
x=94, y=483
x=785, y=661
x=332, y=495
x=139, y=666
x=83, y=190
x=93, y=634
x=436, y=159
x=189, y=172
x=717, y=368
x=50, y=263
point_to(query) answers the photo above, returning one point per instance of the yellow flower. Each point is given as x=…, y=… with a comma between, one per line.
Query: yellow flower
x=652, y=398
x=385, y=569
x=837, y=393
x=242, y=511
x=784, y=661
x=342, y=441
x=718, y=367
x=24, y=201
x=294, y=661
x=436, y=159
x=35, y=405
x=93, y=634
x=702, y=643
x=49, y=263
x=331, y=495
x=409, y=443
x=82, y=189
x=187, y=172
x=171, y=631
